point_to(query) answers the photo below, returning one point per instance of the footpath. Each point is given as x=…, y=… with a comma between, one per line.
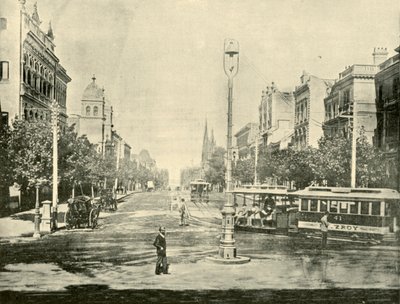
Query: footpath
x=21, y=225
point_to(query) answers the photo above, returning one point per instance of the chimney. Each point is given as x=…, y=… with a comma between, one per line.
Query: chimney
x=379, y=55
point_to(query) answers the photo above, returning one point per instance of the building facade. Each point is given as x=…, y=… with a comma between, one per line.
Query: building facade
x=353, y=95
x=246, y=140
x=96, y=118
x=31, y=76
x=309, y=110
x=276, y=113
x=387, y=133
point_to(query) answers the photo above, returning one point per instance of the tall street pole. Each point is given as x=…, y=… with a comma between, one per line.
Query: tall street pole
x=55, y=161
x=227, y=249
x=256, y=161
x=36, y=233
x=354, y=146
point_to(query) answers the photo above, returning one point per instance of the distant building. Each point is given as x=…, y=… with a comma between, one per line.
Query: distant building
x=355, y=85
x=246, y=139
x=31, y=75
x=309, y=110
x=207, y=149
x=276, y=113
x=96, y=118
x=387, y=133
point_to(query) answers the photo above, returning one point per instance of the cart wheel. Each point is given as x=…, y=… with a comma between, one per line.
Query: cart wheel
x=68, y=220
x=93, y=218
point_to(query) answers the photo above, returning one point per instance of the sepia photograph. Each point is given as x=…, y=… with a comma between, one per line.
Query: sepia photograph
x=200, y=151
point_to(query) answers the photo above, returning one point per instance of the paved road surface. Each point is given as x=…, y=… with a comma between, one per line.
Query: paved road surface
x=119, y=257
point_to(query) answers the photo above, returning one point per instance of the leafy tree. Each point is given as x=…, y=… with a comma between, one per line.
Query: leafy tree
x=371, y=168
x=332, y=161
x=216, y=171
x=243, y=170
x=75, y=156
x=30, y=149
x=6, y=169
x=300, y=167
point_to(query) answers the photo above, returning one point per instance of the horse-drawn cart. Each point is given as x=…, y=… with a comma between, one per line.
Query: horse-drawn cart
x=107, y=200
x=82, y=212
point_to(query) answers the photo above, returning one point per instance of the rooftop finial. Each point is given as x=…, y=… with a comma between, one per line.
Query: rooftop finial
x=35, y=14
x=50, y=33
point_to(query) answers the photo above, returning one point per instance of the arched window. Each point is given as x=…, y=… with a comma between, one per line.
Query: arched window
x=88, y=111
x=95, y=111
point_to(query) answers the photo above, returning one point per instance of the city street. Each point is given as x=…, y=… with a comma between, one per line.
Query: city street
x=119, y=255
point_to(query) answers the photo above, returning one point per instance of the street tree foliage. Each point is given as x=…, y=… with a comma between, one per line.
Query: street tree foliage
x=216, y=168
x=243, y=170
x=30, y=151
x=329, y=164
x=161, y=179
x=75, y=157
x=26, y=158
x=6, y=179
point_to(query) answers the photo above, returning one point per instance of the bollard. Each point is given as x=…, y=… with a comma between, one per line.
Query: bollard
x=46, y=217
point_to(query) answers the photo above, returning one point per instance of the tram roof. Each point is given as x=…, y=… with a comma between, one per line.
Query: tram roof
x=262, y=189
x=350, y=193
x=199, y=182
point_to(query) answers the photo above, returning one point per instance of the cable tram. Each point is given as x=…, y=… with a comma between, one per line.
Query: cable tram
x=357, y=214
x=199, y=191
x=265, y=209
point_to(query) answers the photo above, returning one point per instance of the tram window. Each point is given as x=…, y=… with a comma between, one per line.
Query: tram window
x=343, y=207
x=364, y=207
x=304, y=204
x=314, y=205
x=333, y=207
x=376, y=208
x=323, y=206
x=387, y=209
x=354, y=207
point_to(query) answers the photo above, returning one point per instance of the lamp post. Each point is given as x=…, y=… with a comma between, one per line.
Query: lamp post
x=54, y=122
x=36, y=233
x=227, y=249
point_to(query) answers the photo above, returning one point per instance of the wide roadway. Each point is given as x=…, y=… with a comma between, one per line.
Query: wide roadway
x=119, y=256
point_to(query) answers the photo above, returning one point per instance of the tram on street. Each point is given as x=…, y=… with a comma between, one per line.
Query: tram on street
x=199, y=191
x=265, y=209
x=356, y=214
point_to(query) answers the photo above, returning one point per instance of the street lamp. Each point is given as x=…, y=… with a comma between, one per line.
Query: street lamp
x=227, y=249
x=36, y=233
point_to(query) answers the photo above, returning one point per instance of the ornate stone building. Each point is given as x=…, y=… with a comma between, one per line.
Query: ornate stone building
x=309, y=110
x=276, y=113
x=355, y=86
x=387, y=133
x=96, y=118
x=31, y=75
x=246, y=140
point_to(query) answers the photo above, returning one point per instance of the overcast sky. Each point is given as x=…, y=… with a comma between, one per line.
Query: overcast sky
x=160, y=62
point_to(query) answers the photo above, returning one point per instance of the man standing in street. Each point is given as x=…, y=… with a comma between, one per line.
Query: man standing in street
x=324, y=229
x=161, y=245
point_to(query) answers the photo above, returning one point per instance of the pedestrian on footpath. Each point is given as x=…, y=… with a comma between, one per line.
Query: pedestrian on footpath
x=161, y=245
x=324, y=229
